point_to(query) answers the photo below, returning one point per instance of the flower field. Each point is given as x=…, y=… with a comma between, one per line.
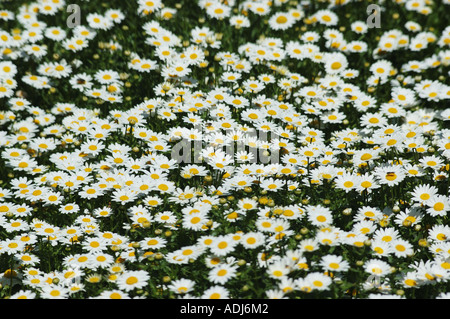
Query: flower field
x=242, y=149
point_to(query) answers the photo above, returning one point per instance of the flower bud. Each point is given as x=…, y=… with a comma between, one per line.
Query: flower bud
x=347, y=211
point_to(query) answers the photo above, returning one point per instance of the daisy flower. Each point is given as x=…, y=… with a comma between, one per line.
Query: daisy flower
x=23, y=294
x=182, y=286
x=439, y=233
x=346, y=182
x=318, y=281
x=252, y=240
x=113, y=294
x=132, y=279
x=216, y=292
x=402, y=248
x=97, y=21
x=326, y=17
x=218, y=10
x=239, y=21
x=423, y=193
x=54, y=292
x=359, y=27
x=389, y=175
x=281, y=21
x=278, y=270
x=166, y=217
x=438, y=205
x=222, y=273
x=377, y=267
x=433, y=162
x=222, y=245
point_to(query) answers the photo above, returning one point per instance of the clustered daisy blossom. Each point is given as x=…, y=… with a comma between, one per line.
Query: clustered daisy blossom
x=262, y=149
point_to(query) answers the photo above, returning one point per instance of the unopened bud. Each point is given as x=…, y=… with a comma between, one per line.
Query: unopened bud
x=347, y=211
